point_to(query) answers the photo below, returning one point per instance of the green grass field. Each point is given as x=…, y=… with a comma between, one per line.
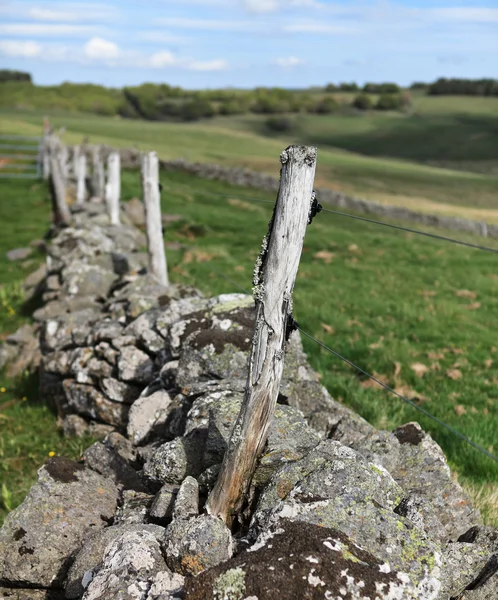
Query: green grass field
x=419, y=314
x=379, y=157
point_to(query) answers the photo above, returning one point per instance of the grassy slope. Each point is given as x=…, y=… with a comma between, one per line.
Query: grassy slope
x=233, y=141
x=392, y=301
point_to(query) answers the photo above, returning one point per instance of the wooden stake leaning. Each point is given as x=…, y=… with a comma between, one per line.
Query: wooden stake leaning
x=98, y=180
x=81, y=179
x=113, y=187
x=152, y=204
x=274, y=277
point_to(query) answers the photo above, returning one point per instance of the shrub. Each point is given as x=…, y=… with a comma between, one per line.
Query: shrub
x=195, y=109
x=327, y=105
x=279, y=124
x=389, y=102
x=9, y=75
x=362, y=102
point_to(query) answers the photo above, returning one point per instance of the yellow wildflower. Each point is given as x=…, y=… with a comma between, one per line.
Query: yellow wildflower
x=51, y=453
x=2, y=389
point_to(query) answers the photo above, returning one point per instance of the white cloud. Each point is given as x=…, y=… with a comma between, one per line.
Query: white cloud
x=163, y=59
x=321, y=27
x=261, y=6
x=208, y=24
x=100, y=49
x=25, y=49
x=161, y=37
x=59, y=11
x=289, y=62
x=210, y=65
x=465, y=14
x=46, y=29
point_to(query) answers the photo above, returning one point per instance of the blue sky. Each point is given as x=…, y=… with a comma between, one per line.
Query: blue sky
x=246, y=43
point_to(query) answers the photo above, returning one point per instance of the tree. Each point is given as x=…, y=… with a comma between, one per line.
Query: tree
x=389, y=102
x=362, y=102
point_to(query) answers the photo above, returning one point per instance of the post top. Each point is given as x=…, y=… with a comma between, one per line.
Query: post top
x=299, y=154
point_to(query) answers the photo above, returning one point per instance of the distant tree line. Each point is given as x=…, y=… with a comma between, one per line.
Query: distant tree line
x=9, y=75
x=463, y=87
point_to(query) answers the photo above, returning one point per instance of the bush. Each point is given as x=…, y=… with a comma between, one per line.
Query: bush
x=349, y=87
x=279, y=124
x=362, y=102
x=381, y=88
x=327, y=105
x=389, y=102
x=9, y=75
x=196, y=109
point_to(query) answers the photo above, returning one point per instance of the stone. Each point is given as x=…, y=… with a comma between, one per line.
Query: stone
x=105, y=331
x=117, y=442
x=148, y=416
x=74, y=425
x=428, y=477
x=196, y=544
x=129, y=565
x=91, y=555
x=166, y=586
x=135, y=366
x=110, y=464
x=60, y=511
x=89, y=402
x=187, y=499
x=175, y=460
x=301, y=560
x=83, y=279
x=161, y=509
x=35, y=279
x=118, y=391
x=66, y=330
x=30, y=594
x=135, y=211
x=19, y=253
x=334, y=486
x=134, y=508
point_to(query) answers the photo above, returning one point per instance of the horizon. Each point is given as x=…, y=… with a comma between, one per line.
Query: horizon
x=243, y=44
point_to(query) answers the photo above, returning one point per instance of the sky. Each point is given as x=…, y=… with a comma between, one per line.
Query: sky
x=249, y=43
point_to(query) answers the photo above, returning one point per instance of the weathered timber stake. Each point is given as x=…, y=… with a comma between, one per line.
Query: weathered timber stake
x=76, y=158
x=113, y=187
x=274, y=276
x=46, y=149
x=63, y=160
x=98, y=180
x=61, y=212
x=152, y=204
x=81, y=179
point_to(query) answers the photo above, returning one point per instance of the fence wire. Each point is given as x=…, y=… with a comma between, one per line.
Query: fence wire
x=364, y=219
x=441, y=423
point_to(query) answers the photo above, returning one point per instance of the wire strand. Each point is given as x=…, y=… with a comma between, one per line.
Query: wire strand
x=410, y=402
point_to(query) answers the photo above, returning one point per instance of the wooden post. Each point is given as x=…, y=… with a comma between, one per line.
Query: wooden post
x=81, y=181
x=274, y=276
x=76, y=161
x=98, y=180
x=46, y=149
x=113, y=187
x=60, y=209
x=152, y=204
x=63, y=159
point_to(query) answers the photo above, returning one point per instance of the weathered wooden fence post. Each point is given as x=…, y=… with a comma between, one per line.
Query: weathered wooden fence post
x=63, y=155
x=76, y=161
x=152, y=204
x=98, y=180
x=46, y=150
x=274, y=276
x=81, y=179
x=62, y=215
x=113, y=187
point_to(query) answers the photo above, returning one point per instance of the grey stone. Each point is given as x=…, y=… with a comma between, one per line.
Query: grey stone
x=135, y=211
x=105, y=331
x=19, y=253
x=161, y=509
x=129, y=565
x=53, y=283
x=105, y=351
x=83, y=279
x=187, y=499
x=30, y=594
x=166, y=586
x=59, y=512
x=86, y=401
x=134, y=508
x=174, y=460
x=135, y=366
x=148, y=415
x=118, y=391
x=35, y=279
x=334, y=486
x=302, y=560
x=66, y=330
x=110, y=464
x=418, y=464
x=197, y=544
x=74, y=425
x=91, y=555
x=122, y=341
x=117, y=442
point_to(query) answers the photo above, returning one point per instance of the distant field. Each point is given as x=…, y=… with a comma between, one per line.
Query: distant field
x=418, y=313
x=243, y=141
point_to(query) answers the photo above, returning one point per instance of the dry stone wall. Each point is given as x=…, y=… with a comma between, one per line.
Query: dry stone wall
x=336, y=508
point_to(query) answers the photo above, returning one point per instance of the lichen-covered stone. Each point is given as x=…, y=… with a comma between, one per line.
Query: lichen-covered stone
x=134, y=507
x=166, y=586
x=89, y=402
x=301, y=560
x=161, y=510
x=39, y=537
x=135, y=366
x=119, y=391
x=197, y=544
x=90, y=557
x=187, y=499
x=130, y=563
x=148, y=415
x=110, y=464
